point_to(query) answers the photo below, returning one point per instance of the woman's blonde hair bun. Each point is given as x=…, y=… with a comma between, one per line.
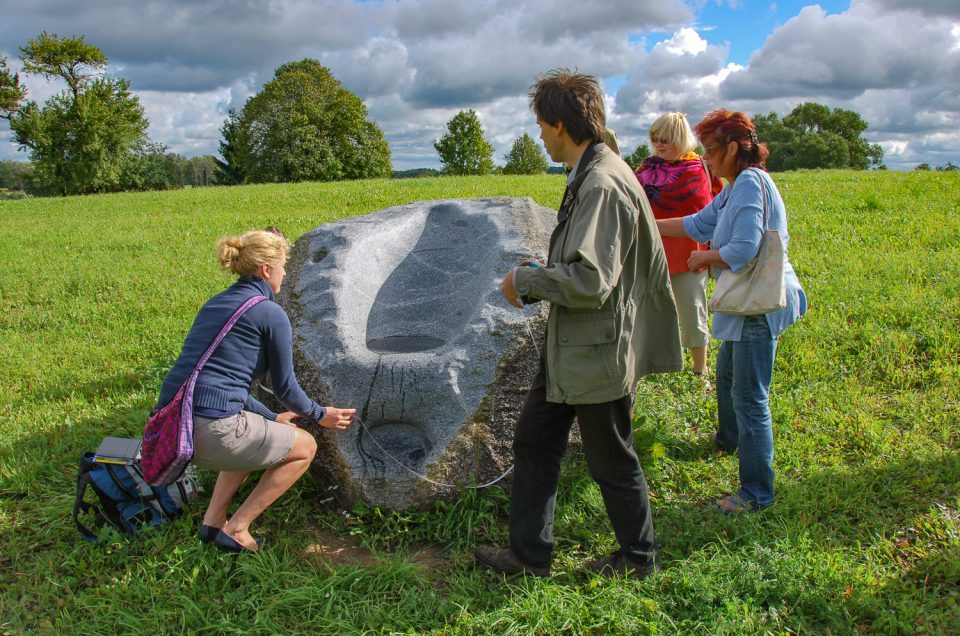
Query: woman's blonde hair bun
x=243, y=255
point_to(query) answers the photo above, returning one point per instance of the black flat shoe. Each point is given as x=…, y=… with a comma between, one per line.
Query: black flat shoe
x=226, y=543
x=207, y=534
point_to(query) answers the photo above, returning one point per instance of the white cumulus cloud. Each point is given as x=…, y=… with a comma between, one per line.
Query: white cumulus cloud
x=417, y=62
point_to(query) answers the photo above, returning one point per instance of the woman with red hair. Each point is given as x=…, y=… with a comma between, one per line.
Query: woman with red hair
x=734, y=223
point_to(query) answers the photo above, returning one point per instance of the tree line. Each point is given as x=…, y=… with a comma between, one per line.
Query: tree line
x=303, y=125
x=948, y=167
x=463, y=150
x=158, y=171
x=92, y=136
x=811, y=136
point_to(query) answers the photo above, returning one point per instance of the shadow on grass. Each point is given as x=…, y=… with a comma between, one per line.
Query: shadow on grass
x=50, y=577
x=105, y=387
x=39, y=453
x=843, y=548
x=849, y=509
x=839, y=507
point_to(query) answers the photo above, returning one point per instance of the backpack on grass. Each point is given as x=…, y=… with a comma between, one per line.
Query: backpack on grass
x=125, y=500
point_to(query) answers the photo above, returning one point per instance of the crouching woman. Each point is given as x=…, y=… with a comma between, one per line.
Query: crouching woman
x=233, y=432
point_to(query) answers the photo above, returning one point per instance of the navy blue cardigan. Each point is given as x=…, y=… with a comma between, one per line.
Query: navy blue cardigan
x=261, y=340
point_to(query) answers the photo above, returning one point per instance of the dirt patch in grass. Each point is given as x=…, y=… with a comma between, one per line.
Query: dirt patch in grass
x=336, y=551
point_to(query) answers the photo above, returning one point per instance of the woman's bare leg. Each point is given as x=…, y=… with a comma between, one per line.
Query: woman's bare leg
x=273, y=483
x=228, y=483
x=699, y=355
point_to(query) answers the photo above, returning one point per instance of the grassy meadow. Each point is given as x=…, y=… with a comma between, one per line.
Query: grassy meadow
x=97, y=294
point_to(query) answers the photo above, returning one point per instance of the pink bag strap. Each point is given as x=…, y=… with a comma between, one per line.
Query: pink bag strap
x=253, y=300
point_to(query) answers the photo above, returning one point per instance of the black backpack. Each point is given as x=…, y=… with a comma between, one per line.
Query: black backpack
x=125, y=500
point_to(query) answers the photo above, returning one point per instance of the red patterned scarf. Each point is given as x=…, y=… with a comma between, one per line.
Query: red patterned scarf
x=673, y=186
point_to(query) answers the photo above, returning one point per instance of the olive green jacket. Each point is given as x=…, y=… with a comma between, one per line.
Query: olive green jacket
x=612, y=314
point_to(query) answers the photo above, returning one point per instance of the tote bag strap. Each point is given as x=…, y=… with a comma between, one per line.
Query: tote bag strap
x=763, y=199
x=253, y=300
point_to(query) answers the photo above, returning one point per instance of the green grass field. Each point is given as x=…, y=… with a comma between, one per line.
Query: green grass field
x=96, y=296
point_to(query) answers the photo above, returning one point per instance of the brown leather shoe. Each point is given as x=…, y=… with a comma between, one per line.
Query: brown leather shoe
x=616, y=564
x=503, y=560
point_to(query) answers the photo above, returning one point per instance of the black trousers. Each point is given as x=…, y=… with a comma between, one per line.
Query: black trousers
x=539, y=444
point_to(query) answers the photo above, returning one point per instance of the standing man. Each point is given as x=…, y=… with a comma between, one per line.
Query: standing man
x=612, y=319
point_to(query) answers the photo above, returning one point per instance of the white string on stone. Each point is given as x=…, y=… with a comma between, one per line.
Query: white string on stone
x=533, y=340
x=424, y=477
x=407, y=468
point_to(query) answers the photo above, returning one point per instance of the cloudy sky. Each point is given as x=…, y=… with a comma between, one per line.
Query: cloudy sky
x=417, y=62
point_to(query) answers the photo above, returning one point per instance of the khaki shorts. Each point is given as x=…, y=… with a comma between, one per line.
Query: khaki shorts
x=245, y=441
x=690, y=292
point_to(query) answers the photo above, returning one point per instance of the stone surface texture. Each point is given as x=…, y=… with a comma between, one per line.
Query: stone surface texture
x=399, y=314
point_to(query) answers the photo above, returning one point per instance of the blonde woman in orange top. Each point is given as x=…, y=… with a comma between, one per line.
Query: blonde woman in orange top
x=678, y=183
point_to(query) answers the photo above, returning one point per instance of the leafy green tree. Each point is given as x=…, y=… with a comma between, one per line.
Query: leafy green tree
x=303, y=126
x=463, y=150
x=11, y=93
x=814, y=136
x=14, y=175
x=81, y=139
x=819, y=150
x=635, y=158
x=70, y=59
x=153, y=168
x=525, y=157
x=199, y=171
x=780, y=140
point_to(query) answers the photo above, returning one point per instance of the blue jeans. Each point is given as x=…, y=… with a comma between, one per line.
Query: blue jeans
x=744, y=372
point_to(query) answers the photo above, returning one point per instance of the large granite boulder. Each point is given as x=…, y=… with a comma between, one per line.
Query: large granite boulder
x=399, y=314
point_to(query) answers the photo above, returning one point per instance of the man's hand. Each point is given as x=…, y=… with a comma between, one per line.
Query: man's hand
x=510, y=291
x=338, y=419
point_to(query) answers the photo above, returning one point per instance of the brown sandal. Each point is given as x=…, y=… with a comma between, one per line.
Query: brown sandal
x=735, y=505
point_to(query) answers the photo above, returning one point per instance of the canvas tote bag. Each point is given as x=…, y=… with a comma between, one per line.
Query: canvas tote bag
x=758, y=288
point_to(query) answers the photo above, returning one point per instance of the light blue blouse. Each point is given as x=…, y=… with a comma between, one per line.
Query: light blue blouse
x=733, y=223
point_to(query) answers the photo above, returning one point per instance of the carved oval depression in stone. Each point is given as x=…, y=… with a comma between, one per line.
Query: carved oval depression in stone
x=437, y=288
x=404, y=344
x=403, y=441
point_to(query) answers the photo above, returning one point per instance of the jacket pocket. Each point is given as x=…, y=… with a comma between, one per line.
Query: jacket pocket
x=591, y=329
x=587, y=348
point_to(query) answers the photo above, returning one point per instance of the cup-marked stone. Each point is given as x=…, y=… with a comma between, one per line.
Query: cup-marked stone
x=399, y=314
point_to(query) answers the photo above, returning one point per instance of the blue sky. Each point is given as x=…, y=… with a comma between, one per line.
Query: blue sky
x=417, y=62
x=747, y=24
